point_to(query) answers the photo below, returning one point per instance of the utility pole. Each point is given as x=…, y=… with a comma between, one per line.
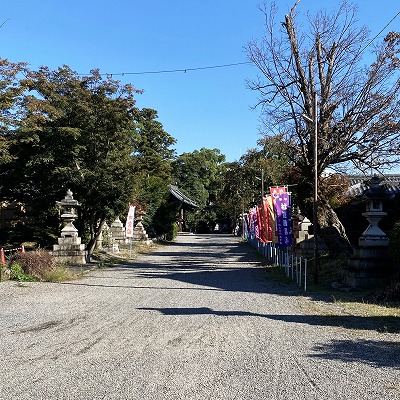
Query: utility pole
x=262, y=182
x=315, y=186
x=315, y=202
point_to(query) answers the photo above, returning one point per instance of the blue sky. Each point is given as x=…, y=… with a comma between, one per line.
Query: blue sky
x=204, y=108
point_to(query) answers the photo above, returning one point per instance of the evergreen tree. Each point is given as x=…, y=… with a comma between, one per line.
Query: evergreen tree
x=199, y=175
x=152, y=157
x=76, y=133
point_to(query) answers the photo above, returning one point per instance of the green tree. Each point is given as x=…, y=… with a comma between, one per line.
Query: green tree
x=11, y=92
x=152, y=157
x=77, y=133
x=199, y=174
x=242, y=183
x=358, y=107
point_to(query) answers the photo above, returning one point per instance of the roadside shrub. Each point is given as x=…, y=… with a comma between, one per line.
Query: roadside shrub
x=393, y=292
x=17, y=273
x=36, y=264
x=391, y=295
x=172, y=232
x=394, y=244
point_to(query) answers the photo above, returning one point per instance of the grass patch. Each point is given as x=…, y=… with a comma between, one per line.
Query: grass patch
x=106, y=260
x=277, y=274
x=371, y=308
x=60, y=274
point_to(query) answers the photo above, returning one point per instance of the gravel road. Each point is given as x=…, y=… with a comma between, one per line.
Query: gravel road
x=197, y=319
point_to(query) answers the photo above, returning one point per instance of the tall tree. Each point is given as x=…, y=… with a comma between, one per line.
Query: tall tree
x=244, y=180
x=11, y=92
x=77, y=133
x=199, y=174
x=152, y=157
x=358, y=107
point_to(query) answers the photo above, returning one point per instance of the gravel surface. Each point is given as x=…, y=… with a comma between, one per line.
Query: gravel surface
x=197, y=319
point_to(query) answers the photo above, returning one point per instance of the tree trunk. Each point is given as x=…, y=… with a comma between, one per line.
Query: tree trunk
x=95, y=233
x=332, y=232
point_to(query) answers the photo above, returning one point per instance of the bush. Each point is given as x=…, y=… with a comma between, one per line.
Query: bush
x=172, y=232
x=394, y=248
x=17, y=273
x=36, y=264
x=389, y=295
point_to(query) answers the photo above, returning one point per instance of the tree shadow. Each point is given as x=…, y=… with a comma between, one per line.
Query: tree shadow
x=375, y=353
x=388, y=324
x=232, y=266
x=228, y=279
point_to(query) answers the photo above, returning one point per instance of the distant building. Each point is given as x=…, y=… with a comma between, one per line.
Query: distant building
x=185, y=204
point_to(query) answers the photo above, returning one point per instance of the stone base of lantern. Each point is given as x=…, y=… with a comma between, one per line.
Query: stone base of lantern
x=69, y=249
x=369, y=267
x=117, y=232
x=111, y=248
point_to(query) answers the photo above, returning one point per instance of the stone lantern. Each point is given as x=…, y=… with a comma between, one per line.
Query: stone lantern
x=373, y=235
x=139, y=233
x=69, y=248
x=370, y=265
x=68, y=214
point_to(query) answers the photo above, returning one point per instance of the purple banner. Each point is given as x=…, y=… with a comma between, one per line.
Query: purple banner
x=283, y=219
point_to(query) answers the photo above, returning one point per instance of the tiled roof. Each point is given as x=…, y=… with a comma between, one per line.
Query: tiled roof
x=175, y=192
x=359, y=183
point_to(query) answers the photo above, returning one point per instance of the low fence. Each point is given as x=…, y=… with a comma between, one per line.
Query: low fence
x=294, y=267
x=5, y=254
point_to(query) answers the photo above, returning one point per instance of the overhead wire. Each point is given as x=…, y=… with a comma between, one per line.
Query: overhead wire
x=373, y=39
x=184, y=70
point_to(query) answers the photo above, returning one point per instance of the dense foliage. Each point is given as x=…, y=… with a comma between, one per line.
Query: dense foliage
x=152, y=156
x=84, y=133
x=200, y=174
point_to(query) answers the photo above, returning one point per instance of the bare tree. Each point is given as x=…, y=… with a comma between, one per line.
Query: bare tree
x=358, y=106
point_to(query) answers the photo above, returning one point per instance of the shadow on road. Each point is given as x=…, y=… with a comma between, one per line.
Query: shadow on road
x=227, y=279
x=214, y=264
x=376, y=353
x=345, y=321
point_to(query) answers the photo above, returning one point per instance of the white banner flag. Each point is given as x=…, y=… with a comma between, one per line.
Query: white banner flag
x=130, y=220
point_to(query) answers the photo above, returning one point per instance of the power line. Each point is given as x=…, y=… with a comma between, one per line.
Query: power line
x=369, y=44
x=185, y=70
x=174, y=70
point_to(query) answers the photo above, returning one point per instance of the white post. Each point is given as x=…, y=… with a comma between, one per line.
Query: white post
x=292, y=258
x=305, y=275
x=300, y=272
